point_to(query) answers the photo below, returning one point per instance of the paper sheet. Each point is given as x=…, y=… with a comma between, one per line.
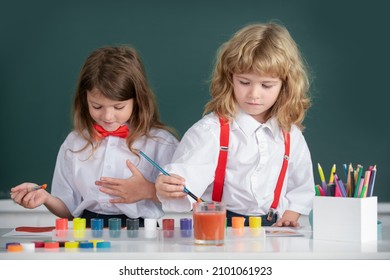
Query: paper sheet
x=282, y=231
x=30, y=232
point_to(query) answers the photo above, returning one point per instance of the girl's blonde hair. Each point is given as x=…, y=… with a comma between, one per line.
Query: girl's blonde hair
x=118, y=73
x=264, y=49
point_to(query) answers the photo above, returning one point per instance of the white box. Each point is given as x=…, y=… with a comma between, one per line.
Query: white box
x=345, y=218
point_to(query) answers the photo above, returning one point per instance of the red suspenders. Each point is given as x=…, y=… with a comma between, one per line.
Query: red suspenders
x=282, y=174
x=222, y=160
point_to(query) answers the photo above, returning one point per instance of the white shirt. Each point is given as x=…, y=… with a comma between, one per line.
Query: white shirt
x=75, y=173
x=254, y=162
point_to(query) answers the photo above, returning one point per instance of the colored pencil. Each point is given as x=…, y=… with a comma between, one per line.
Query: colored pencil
x=350, y=180
x=322, y=177
x=358, y=185
x=372, y=181
x=345, y=169
x=332, y=171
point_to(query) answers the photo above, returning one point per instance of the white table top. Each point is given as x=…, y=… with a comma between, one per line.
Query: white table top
x=302, y=247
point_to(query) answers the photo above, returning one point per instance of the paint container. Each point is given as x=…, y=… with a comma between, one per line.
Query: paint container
x=238, y=226
x=132, y=226
x=185, y=227
x=79, y=227
x=114, y=226
x=61, y=227
x=168, y=226
x=255, y=226
x=150, y=228
x=97, y=227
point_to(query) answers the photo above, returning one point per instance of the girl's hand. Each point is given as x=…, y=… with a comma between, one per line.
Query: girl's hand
x=25, y=196
x=289, y=219
x=128, y=190
x=170, y=186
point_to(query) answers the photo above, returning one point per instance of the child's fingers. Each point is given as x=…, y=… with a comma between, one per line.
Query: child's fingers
x=19, y=197
x=173, y=191
x=23, y=186
x=177, y=178
x=170, y=186
x=171, y=180
x=180, y=194
x=106, y=182
x=111, y=190
x=286, y=223
x=117, y=200
x=133, y=168
x=33, y=199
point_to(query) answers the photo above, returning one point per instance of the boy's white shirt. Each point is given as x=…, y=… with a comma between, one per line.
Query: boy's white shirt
x=76, y=172
x=253, y=166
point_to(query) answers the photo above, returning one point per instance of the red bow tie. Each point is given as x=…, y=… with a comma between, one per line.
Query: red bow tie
x=121, y=132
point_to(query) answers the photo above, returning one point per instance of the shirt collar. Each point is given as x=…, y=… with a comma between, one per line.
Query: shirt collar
x=247, y=124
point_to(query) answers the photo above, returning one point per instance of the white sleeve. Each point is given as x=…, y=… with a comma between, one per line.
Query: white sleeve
x=195, y=160
x=63, y=185
x=300, y=186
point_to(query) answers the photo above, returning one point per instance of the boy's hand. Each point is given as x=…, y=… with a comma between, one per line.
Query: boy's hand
x=170, y=186
x=289, y=219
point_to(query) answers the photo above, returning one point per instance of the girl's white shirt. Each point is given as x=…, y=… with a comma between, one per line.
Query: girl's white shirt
x=254, y=162
x=76, y=172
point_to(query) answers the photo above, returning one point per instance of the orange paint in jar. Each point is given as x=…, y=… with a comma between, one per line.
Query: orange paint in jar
x=209, y=223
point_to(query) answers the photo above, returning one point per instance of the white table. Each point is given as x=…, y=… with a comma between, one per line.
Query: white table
x=271, y=248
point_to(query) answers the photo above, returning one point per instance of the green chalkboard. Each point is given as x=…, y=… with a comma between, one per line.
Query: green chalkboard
x=44, y=44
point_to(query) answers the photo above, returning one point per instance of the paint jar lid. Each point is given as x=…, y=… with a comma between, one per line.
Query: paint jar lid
x=11, y=243
x=39, y=244
x=71, y=244
x=95, y=241
x=103, y=244
x=85, y=245
x=14, y=248
x=52, y=244
x=28, y=246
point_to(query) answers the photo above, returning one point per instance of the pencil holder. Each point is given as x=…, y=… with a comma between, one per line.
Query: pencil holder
x=345, y=218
